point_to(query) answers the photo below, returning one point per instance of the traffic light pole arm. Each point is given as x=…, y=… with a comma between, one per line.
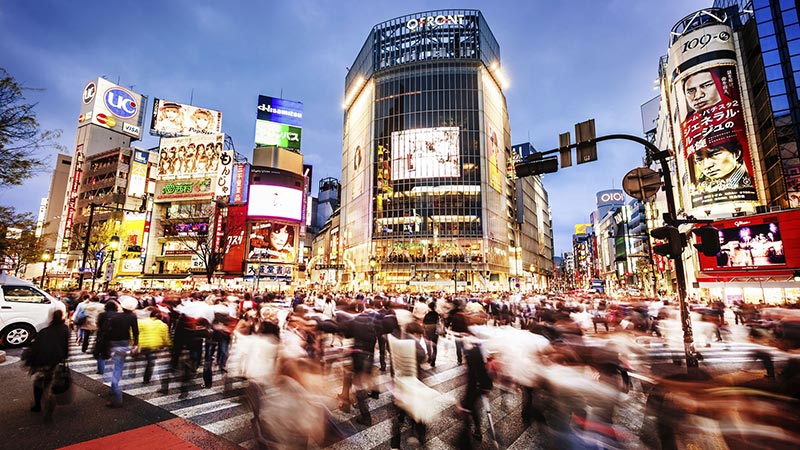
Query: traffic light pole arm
x=671, y=219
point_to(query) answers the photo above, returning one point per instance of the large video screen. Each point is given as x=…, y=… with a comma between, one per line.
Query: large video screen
x=425, y=153
x=271, y=241
x=751, y=245
x=275, y=201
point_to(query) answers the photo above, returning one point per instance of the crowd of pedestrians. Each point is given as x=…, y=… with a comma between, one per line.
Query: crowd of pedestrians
x=572, y=374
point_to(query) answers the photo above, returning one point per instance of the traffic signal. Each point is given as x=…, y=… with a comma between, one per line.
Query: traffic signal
x=536, y=167
x=673, y=247
x=709, y=240
x=585, y=132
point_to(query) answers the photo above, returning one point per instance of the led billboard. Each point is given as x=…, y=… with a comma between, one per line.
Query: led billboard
x=714, y=163
x=275, y=201
x=111, y=106
x=190, y=156
x=172, y=119
x=750, y=245
x=277, y=134
x=278, y=122
x=279, y=110
x=425, y=153
x=272, y=241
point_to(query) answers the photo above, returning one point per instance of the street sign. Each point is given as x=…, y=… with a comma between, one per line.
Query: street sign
x=642, y=183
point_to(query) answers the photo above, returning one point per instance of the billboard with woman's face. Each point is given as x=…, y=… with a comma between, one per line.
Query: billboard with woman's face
x=714, y=160
x=272, y=241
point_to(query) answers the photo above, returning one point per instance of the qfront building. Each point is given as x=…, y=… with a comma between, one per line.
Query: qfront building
x=428, y=198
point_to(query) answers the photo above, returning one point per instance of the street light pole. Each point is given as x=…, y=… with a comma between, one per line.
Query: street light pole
x=113, y=245
x=46, y=257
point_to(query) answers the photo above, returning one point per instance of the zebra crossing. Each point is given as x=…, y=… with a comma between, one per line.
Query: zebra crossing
x=223, y=410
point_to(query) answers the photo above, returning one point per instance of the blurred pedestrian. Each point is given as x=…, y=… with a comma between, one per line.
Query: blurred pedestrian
x=153, y=336
x=431, y=324
x=49, y=348
x=122, y=331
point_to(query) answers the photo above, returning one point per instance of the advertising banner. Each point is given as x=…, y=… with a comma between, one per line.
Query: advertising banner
x=111, y=106
x=277, y=134
x=715, y=157
x=279, y=110
x=239, y=183
x=224, y=170
x=197, y=189
x=72, y=196
x=769, y=242
x=275, y=201
x=426, y=153
x=171, y=119
x=190, y=157
x=237, y=215
x=138, y=178
x=495, y=149
x=272, y=241
x=279, y=122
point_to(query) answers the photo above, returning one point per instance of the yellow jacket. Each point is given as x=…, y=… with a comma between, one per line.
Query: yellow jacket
x=153, y=334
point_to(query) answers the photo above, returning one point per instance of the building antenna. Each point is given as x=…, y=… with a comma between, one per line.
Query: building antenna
x=117, y=79
x=191, y=97
x=281, y=92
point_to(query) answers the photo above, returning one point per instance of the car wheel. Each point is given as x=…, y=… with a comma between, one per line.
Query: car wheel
x=17, y=335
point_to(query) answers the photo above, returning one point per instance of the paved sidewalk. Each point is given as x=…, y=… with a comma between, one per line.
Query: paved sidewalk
x=87, y=423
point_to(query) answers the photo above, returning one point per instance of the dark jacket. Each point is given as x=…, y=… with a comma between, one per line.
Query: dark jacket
x=49, y=347
x=119, y=326
x=431, y=318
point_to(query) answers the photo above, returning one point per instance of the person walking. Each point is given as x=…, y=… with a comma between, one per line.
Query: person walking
x=153, y=336
x=88, y=312
x=48, y=349
x=122, y=328
x=431, y=324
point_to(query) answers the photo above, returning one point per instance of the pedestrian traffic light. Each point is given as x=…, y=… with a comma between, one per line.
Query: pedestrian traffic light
x=536, y=167
x=673, y=247
x=709, y=240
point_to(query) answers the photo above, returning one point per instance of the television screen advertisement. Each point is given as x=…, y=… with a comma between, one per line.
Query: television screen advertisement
x=190, y=156
x=426, y=153
x=750, y=245
x=272, y=241
x=275, y=201
x=108, y=105
x=171, y=119
x=715, y=160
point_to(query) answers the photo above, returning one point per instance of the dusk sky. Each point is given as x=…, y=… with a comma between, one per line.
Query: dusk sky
x=566, y=61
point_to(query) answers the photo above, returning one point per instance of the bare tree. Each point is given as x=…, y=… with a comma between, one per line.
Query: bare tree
x=21, y=139
x=210, y=245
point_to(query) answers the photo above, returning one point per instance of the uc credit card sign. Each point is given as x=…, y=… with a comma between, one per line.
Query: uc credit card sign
x=279, y=110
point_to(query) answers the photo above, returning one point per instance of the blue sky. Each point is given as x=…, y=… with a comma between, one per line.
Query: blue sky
x=566, y=61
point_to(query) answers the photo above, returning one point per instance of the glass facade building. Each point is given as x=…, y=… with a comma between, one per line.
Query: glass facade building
x=770, y=33
x=428, y=197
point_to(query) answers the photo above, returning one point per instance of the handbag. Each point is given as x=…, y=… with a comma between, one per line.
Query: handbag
x=62, y=379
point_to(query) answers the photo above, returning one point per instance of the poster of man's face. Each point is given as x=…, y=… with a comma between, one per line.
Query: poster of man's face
x=714, y=137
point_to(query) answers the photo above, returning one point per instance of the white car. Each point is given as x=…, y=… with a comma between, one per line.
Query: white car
x=24, y=310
